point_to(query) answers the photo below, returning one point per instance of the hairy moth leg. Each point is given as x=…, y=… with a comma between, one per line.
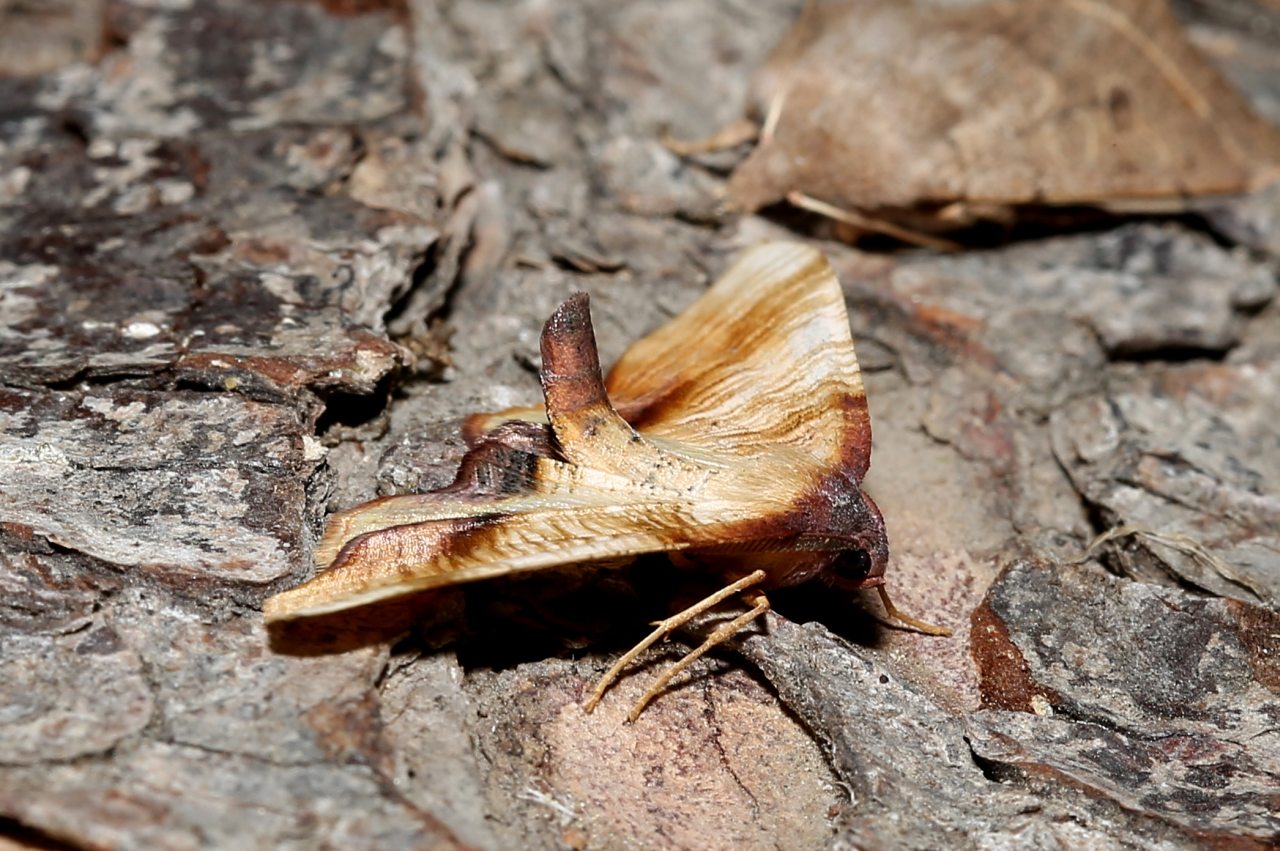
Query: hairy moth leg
x=665, y=628
x=760, y=605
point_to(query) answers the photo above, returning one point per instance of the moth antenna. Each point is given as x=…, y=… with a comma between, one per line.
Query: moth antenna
x=665, y=628
x=914, y=623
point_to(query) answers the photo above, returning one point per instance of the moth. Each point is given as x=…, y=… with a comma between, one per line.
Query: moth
x=919, y=117
x=735, y=438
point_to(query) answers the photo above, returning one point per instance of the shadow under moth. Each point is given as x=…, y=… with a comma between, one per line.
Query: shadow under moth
x=734, y=438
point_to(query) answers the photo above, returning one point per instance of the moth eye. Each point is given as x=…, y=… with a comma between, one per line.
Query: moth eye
x=854, y=566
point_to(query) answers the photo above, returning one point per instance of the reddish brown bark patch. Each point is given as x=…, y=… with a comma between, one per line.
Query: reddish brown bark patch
x=1004, y=678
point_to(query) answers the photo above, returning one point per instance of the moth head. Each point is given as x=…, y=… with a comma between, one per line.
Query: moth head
x=861, y=564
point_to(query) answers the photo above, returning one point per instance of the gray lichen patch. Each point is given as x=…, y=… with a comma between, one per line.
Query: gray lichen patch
x=100, y=474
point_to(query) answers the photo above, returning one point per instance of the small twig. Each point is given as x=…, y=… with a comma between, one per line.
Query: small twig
x=1182, y=543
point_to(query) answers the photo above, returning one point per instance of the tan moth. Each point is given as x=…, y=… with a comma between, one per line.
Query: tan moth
x=737, y=436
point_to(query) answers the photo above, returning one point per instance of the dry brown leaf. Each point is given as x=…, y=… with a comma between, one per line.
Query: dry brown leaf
x=929, y=113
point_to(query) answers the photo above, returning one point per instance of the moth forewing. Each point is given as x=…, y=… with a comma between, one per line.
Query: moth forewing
x=408, y=558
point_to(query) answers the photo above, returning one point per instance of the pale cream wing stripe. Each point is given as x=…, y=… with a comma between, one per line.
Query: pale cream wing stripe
x=405, y=559
x=553, y=485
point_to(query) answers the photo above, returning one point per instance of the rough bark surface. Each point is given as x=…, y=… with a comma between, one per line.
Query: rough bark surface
x=257, y=260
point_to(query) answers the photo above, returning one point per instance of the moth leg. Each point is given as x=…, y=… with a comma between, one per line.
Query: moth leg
x=722, y=633
x=868, y=223
x=915, y=623
x=665, y=628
